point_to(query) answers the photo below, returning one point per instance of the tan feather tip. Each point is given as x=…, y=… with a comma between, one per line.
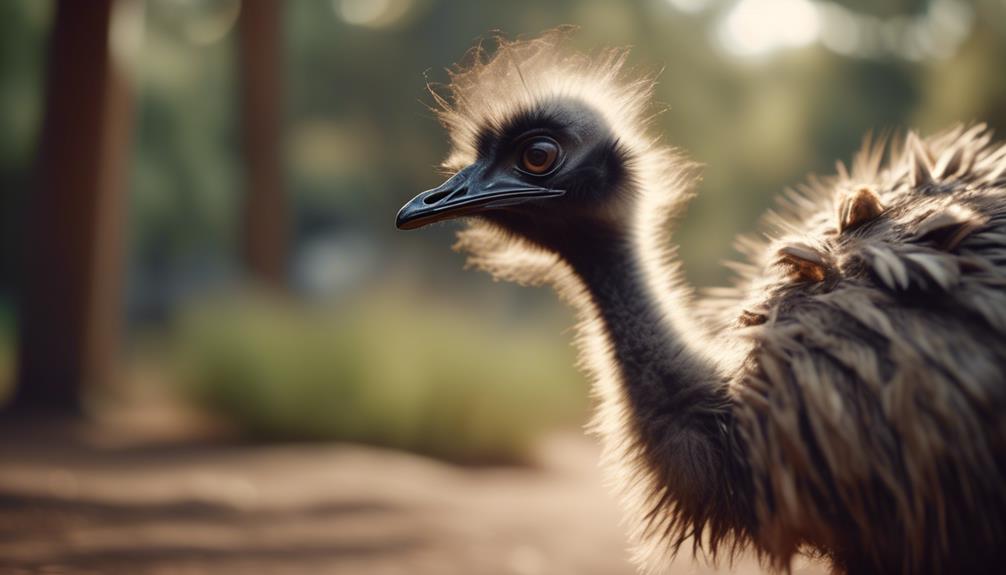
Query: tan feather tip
x=948, y=228
x=803, y=262
x=952, y=162
x=920, y=165
x=750, y=318
x=888, y=268
x=998, y=170
x=858, y=207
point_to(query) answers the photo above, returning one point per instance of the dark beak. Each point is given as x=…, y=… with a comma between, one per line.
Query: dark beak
x=461, y=195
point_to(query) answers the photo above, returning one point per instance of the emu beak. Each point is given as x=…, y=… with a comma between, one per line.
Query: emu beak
x=464, y=194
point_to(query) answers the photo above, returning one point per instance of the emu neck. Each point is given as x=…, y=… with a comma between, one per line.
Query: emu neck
x=670, y=412
x=646, y=344
x=664, y=379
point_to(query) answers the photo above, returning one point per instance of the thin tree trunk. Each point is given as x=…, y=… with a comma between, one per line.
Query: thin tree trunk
x=69, y=314
x=265, y=211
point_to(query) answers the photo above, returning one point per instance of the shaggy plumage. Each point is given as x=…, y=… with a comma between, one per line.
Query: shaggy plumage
x=846, y=398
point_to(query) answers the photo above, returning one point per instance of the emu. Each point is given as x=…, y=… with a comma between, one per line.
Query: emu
x=846, y=399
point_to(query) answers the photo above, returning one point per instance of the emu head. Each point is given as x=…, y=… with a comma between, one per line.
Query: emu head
x=546, y=144
x=552, y=172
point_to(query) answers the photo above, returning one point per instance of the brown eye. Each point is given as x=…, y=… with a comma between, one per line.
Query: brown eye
x=539, y=156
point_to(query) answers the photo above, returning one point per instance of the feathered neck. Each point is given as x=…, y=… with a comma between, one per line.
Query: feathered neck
x=645, y=343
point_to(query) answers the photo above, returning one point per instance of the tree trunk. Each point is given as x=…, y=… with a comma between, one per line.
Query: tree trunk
x=69, y=313
x=265, y=210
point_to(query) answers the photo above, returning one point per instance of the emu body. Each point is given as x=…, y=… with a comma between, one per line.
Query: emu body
x=846, y=398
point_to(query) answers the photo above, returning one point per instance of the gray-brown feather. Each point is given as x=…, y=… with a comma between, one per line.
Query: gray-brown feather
x=874, y=391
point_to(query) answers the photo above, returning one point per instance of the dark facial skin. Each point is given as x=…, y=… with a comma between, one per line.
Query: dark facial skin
x=581, y=167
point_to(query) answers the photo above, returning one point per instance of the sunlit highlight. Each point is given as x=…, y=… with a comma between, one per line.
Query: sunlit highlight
x=690, y=6
x=753, y=28
x=756, y=27
x=209, y=22
x=372, y=13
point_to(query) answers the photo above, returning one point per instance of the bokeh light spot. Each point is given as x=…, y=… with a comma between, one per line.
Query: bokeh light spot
x=372, y=13
x=757, y=27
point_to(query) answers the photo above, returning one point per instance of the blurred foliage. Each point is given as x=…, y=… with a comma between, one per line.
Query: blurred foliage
x=380, y=371
x=23, y=26
x=359, y=139
x=184, y=205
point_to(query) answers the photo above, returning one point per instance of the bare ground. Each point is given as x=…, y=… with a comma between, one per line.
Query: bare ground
x=82, y=500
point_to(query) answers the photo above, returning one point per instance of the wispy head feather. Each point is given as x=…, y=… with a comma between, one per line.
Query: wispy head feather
x=502, y=78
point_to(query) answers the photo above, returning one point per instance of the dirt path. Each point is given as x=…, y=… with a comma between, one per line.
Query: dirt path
x=119, y=505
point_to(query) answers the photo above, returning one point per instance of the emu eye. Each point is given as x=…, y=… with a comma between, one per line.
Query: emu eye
x=539, y=156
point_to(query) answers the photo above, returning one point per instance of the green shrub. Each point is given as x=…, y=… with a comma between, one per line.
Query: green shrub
x=383, y=371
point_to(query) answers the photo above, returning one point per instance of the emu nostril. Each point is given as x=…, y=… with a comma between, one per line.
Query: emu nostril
x=435, y=197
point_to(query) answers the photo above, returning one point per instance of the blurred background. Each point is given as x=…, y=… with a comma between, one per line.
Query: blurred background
x=199, y=270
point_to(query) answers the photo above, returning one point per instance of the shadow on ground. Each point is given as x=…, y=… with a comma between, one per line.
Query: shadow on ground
x=80, y=500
